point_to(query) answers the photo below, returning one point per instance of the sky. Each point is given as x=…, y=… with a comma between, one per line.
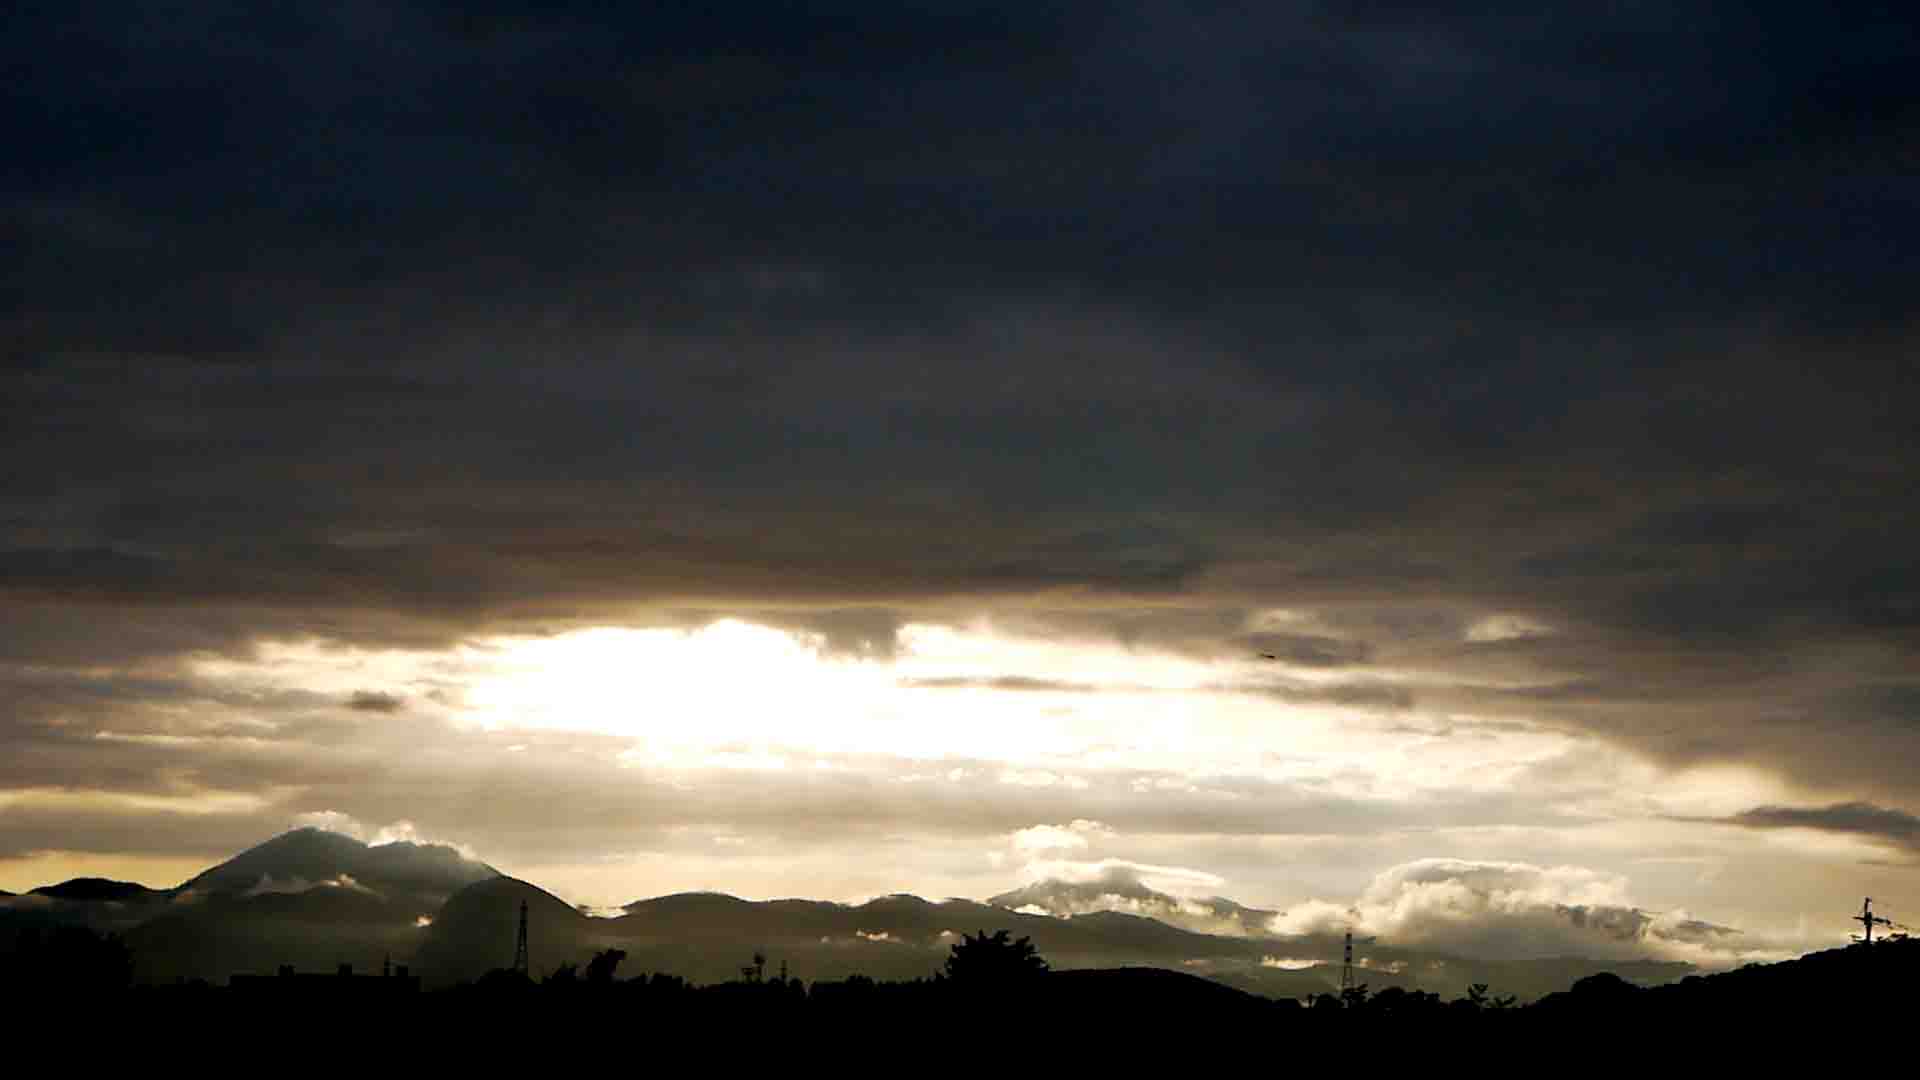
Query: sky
x=1439, y=473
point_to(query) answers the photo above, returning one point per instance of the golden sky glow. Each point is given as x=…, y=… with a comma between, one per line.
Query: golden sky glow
x=959, y=711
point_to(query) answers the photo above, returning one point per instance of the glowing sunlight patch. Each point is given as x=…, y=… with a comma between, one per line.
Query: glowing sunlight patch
x=1044, y=712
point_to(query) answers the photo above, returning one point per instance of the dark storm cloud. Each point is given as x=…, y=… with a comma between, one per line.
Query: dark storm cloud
x=1363, y=694
x=1309, y=650
x=374, y=701
x=1886, y=824
x=405, y=322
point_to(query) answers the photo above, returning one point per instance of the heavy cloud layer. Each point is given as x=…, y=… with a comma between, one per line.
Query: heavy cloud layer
x=1503, y=377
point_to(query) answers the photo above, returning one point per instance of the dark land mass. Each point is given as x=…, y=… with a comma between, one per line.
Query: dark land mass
x=314, y=901
x=96, y=890
x=979, y=1009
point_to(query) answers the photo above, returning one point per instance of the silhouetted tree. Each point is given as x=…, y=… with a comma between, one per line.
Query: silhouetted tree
x=600, y=969
x=978, y=959
x=1400, y=1001
x=71, y=959
x=503, y=981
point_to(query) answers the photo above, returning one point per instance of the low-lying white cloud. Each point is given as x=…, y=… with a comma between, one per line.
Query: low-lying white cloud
x=1512, y=910
x=398, y=832
x=1058, y=879
x=1046, y=838
x=1171, y=879
x=268, y=884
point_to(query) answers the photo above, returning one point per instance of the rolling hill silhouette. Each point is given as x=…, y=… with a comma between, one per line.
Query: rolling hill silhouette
x=709, y=936
x=1853, y=982
x=475, y=930
x=96, y=903
x=98, y=890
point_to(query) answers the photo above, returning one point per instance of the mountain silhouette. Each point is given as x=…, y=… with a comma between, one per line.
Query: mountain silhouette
x=316, y=900
x=709, y=936
x=97, y=890
x=474, y=932
x=309, y=898
x=95, y=903
x=423, y=875
x=1834, y=983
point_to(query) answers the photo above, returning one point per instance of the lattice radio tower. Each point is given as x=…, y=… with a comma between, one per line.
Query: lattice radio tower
x=1346, y=966
x=520, y=943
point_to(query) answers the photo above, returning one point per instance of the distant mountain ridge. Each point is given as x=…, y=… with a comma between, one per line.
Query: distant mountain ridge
x=708, y=936
x=315, y=899
x=1128, y=895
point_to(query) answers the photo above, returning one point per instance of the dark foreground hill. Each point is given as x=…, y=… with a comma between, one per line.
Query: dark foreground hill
x=861, y=1024
x=1874, y=984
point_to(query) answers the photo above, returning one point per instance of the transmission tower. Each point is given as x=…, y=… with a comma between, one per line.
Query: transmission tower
x=1346, y=966
x=1869, y=920
x=520, y=944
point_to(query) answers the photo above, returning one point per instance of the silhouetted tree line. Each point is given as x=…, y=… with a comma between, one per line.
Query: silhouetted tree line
x=992, y=977
x=1398, y=1001
x=983, y=973
x=66, y=961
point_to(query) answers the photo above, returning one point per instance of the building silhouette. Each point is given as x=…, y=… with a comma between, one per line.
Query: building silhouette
x=393, y=980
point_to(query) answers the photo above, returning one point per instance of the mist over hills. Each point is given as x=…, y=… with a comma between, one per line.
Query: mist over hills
x=316, y=899
x=709, y=936
x=1124, y=892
